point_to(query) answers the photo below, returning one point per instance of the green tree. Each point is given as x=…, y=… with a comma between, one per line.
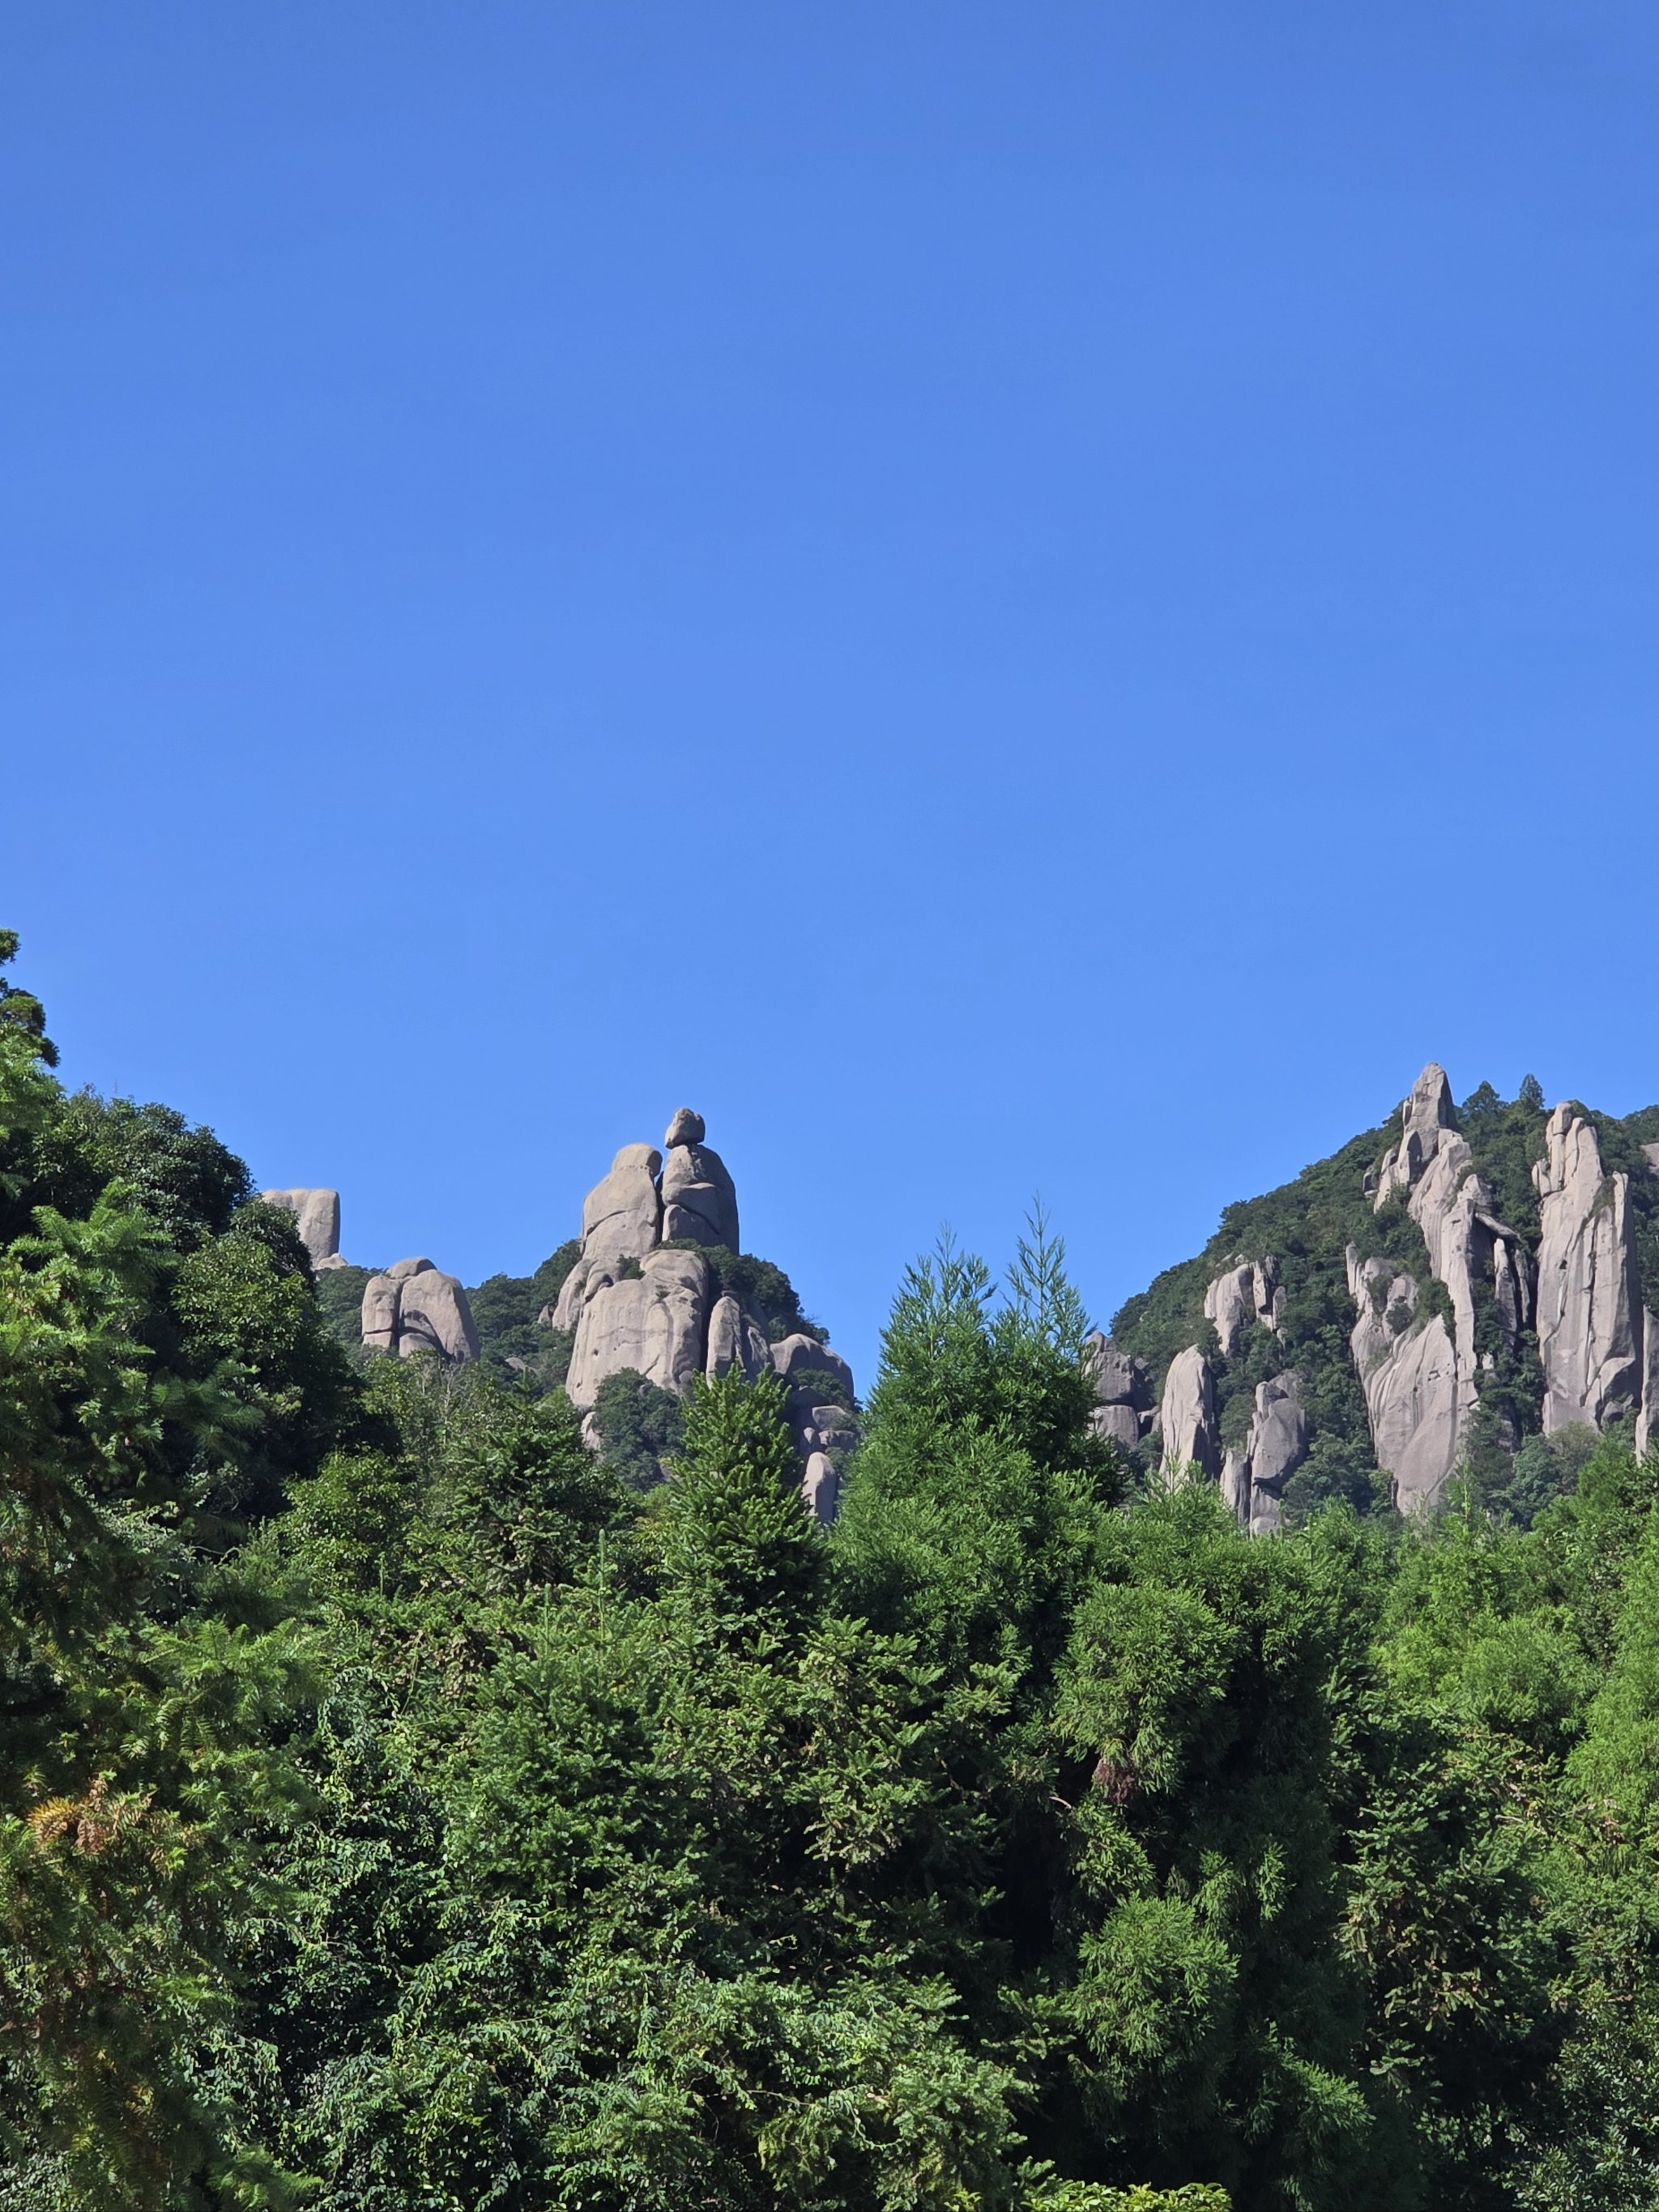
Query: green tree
x=132, y=1732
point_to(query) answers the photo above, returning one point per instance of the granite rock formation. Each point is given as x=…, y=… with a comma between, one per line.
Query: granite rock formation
x=1647, y=1421
x=1422, y=1380
x=621, y=1215
x=654, y=1320
x=735, y=1340
x=1427, y=1335
x=1186, y=1419
x=1123, y=1393
x=1252, y=1481
x=698, y=1199
x=642, y=1297
x=414, y=1307
x=316, y=1213
x=1590, y=1336
x=1407, y=1366
x=1247, y=1294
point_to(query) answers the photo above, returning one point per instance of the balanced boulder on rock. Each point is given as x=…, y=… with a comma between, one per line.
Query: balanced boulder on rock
x=1123, y=1408
x=642, y=1297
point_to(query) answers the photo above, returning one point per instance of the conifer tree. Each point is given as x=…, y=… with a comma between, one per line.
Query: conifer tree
x=742, y=1554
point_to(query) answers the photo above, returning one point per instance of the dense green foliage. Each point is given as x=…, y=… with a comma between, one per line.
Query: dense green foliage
x=340, y=1302
x=638, y=1425
x=163, y=1376
x=762, y=1288
x=403, y=1810
x=512, y=1342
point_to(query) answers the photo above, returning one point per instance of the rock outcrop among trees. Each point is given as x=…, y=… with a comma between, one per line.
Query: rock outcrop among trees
x=398, y=1809
x=1186, y=1415
x=1253, y=1479
x=647, y=1296
x=1423, y=1303
x=414, y=1307
x=1590, y=1322
x=1502, y=1276
x=316, y=1213
x=655, y=1290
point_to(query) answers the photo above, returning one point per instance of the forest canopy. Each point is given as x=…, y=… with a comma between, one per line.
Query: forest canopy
x=405, y=1806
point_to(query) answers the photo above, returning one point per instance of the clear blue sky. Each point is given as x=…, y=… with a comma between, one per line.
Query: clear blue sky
x=1002, y=597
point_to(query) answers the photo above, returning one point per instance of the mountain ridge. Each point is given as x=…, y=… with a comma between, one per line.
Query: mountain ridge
x=1406, y=1265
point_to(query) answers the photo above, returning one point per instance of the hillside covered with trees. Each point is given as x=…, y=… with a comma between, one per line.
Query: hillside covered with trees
x=1433, y=1230
x=403, y=1808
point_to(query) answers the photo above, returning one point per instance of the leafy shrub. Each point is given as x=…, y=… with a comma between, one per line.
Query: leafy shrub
x=764, y=1289
x=512, y=1345
x=339, y=1293
x=638, y=1424
x=1094, y=2197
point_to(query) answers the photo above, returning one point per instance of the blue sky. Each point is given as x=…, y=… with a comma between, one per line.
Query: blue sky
x=1002, y=597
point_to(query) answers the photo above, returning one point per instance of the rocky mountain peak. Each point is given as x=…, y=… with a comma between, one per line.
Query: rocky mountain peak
x=1462, y=1298
x=643, y=1297
x=1426, y=1115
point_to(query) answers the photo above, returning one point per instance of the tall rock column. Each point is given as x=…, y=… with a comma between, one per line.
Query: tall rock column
x=1246, y=1294
x=1187, y=1417
x=1421, y=1379
x=1647, y=1421
x=1252, y=1481
x=1407, y=1367
x=1589, y=1301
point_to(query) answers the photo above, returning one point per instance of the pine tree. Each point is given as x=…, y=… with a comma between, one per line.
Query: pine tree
x=741, y=1553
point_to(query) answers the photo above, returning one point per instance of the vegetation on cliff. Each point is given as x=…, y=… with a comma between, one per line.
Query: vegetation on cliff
x=1307, y=1226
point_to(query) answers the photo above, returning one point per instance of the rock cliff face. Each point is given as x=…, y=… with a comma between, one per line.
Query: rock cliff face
x=621, y=1215
x=414, y=1307
x=1123, y=1391
x=1647, y=1421
x=1252, y=1481
x=1186, y=1417
x=654, y=1320
x=1248, y=1293
x=1423, y=1382
x=1462, y=1303
x=639, y=1298
x=1408, y=1367
x=317, y=1215
x=1589, y=1296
